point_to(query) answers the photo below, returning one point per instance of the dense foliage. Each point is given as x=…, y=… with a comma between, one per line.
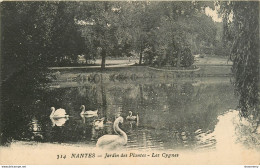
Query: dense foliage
x=158, y=32
x=38, y=34
x=55, y=33
x=241, y=23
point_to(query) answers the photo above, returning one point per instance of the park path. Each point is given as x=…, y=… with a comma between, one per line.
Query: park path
x=93, y=67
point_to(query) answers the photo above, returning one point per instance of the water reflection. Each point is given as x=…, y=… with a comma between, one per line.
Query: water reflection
x=36, y=129
x=171, y=114
x=58, y=121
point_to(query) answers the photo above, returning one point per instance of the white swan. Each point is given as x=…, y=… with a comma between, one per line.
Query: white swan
x=113, y=141
x=130, y=117
x=99, y=123
x=83, y=112
x=59, y=113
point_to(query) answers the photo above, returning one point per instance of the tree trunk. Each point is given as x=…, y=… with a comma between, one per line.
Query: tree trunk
x=103, y=61
x=179, y=60
x=141, y=53
x=141, y=58
x=104, y=98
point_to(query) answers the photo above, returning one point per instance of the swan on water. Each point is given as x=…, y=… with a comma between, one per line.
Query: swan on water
x=99, y=123
x=113, y=141
x=59, y=113
x=84, y=112
x=130, y=117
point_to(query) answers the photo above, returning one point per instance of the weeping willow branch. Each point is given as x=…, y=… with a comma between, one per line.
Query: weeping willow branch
x=242, y=29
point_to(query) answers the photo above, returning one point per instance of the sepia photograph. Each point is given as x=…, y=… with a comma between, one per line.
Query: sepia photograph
x=129, y=83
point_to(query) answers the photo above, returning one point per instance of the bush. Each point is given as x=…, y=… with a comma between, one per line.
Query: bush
x=187, y=59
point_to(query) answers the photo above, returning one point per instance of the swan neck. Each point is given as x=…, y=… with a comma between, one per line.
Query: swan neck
x=83, y=109
x=52, y=113
x=119, y=131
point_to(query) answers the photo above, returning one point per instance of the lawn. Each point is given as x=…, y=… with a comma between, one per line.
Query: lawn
x=118, y=61
x=213, y=60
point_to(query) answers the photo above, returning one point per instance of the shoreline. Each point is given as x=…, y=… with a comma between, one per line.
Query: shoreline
x=133, y=73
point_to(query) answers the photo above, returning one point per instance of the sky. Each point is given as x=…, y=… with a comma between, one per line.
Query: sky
x=213, y=14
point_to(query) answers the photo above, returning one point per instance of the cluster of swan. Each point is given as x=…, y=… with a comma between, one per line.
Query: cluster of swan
x=61, y=113
x=59, y=116
x=106, y=141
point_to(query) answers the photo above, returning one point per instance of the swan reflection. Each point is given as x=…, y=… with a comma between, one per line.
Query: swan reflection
x=133, y=124
x=36, y=129
x=59, y=122
x=88, y=119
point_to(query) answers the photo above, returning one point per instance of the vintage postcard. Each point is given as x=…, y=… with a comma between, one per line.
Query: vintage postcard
x=130, y=83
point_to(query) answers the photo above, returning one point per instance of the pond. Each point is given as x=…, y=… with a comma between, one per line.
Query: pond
x=173, y=114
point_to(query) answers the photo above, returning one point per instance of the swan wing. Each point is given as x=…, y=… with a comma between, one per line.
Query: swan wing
x=59, y=112
x=107, y=140
x=131, y=117
x=92, y=112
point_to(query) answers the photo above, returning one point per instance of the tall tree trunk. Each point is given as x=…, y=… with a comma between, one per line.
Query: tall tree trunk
x=103, y=53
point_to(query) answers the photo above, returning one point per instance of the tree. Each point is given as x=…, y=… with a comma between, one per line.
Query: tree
x=178, y=27
x=101, y=22
x=66, y=40
x=26, y=35
x=241, y=27
x=137, y=21
x=119, y=28
x=25, y=42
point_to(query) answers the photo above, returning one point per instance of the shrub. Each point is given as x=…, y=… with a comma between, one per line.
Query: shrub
x=187, y=59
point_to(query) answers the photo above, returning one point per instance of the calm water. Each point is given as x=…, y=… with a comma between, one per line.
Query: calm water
x=173, y=114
